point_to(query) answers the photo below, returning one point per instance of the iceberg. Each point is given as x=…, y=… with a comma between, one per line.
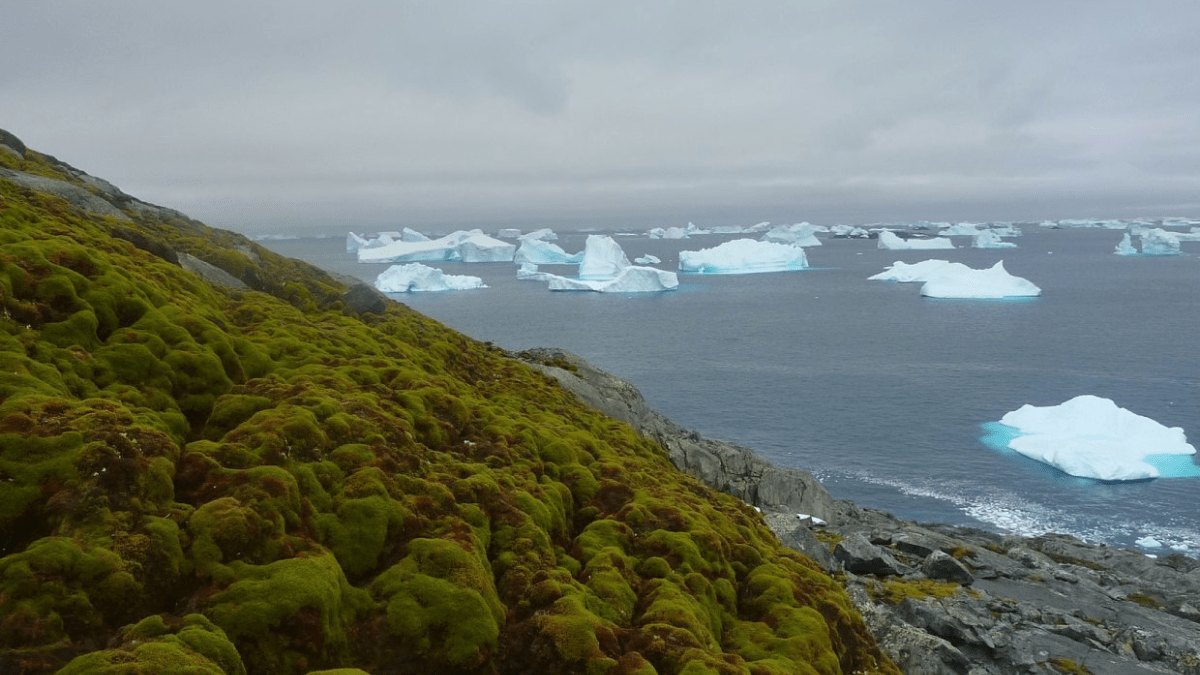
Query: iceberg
x=529, y=272
x=1160, y=242
x=960, y=230
x=544, y=234
x=1091, y=437
x=603, y=258
x=468, y=246
x=631, y=279
x=800, y=234
x=1125, y=247
x=926, y=270
x=849, y=232
x=992, y=283
x=409, y=234
x=990, y=239
x=508, y=233
x=647, y=260
x=543, y=252
x=891, y=241
x=415, y=277
x=743, y=256
x=354, y=242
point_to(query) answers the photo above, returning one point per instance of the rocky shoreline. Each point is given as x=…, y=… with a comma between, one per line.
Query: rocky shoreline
x=942, y=599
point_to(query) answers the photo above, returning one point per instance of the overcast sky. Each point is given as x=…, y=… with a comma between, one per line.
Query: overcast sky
x=287, y=116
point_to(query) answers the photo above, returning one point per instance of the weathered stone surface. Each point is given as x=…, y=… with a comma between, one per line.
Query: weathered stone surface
x=12, y=143
x=860, y=556
x=940, y=565
x=364, y=299
x=210, y=273
x=75, y=195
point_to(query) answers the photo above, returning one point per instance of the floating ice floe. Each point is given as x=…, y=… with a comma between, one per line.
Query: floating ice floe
x=508, y=233
x=1148, y=542
x=992, y=283
x=800, y=234
x=919, y=271
x=529, y=272
x=743, y=256
x=675, y=232
x=1091, y=437
x=606, y=269
x=849, y=232
x=648, y=260
x=542, y=252
x=891, y=241
x=418, y=278
x=464, y=245
x=990, y=239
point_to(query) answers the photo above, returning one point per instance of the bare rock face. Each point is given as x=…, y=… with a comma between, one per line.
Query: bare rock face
x=210, y=273
x=364, y=299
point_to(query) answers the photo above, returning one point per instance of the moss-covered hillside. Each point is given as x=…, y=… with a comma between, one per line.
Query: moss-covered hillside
x=197, y=479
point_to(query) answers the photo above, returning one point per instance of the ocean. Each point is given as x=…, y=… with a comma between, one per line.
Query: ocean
x=879, y=392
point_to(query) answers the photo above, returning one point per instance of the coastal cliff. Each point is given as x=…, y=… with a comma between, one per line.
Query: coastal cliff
x=943, y=599
x=217, y=460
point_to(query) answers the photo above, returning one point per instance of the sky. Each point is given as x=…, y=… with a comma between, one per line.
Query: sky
x=301, y=116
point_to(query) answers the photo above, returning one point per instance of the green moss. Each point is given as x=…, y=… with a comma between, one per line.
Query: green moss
x=894, y=591
x=1064, y=665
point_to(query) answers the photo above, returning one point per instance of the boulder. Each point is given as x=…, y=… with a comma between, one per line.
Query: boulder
x=859, y=556
x=940, y=565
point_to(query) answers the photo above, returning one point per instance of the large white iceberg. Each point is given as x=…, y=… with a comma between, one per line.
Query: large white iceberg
x=468, y=246
x=1091, y=437
x=415, y=277
x=992, y=283
x=925, y=270
x=990, y=239
x=631, y=279
x=891, y=241
x=743, y=256
x=542, y=252
x=800, y=234
x=1125, y=246
x=606, y=269
x=1160, y=242
x=603, y=258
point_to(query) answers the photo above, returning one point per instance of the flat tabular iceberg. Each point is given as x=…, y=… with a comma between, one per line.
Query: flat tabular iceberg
x=800, y=234
x=415, y=277
x=992, y=283
x=468, y=246
x=743, y=256
x=1091, y=437
x=890, y=240
x=920, y=271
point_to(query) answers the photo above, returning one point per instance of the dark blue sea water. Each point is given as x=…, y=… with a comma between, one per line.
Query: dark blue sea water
x=878, y=391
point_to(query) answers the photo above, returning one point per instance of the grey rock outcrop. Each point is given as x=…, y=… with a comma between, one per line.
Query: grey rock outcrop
x=210, y=273
x=77, y=196
x=362, y=298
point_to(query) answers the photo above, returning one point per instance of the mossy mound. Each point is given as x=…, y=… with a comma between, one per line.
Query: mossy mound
x=209, y=480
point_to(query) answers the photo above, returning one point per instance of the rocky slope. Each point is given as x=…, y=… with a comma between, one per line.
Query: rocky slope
x=217, y=460
x=942, y=599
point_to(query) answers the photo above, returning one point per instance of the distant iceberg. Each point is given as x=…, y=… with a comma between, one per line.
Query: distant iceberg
x=508, y=233
x=891, y=241
x=992, y=283
x=464, y=245
x=1154, y=241
x=961, y=230
x=542, y=252
x=529, y=272
x=1091, y=437
x=416, y=278
x=648, y=260
x=921, y=271
x=743, y=256
x=990, y=239
x=544, y=234
x=606, y=269
x=800, y=234
x=849, y=232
